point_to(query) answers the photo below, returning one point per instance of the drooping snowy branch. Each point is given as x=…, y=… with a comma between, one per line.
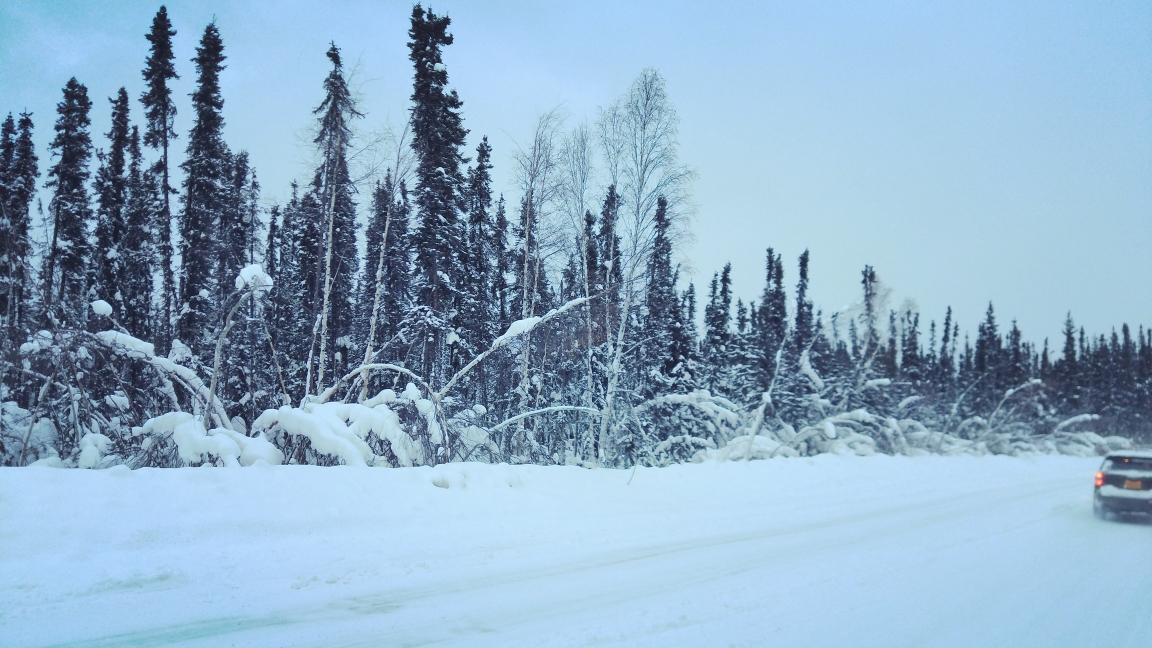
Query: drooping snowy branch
x=515, y=329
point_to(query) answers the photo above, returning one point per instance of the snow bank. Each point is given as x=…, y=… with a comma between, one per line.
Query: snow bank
x=746, y=447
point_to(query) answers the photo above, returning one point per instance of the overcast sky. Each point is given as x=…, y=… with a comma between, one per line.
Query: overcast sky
x=970, y=152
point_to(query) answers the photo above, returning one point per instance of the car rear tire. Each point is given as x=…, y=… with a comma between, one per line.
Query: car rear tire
x=1099, y=511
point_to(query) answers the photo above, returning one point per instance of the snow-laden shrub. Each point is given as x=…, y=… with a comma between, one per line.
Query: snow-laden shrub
x=21, y=433
x=196, y=446
x=340, y=431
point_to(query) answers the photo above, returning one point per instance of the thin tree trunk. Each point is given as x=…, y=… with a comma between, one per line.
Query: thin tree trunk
x=328, y=271
x=376, y=298
x=614, y=372
x=169, y=281
x=525, y=367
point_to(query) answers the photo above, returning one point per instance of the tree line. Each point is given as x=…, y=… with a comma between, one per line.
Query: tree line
x=551, y=329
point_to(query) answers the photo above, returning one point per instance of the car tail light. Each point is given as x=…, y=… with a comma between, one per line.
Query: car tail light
x=1099, y=479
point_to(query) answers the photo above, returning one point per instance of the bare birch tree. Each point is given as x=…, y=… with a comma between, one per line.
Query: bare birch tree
x=400, y=168
x=538, y=175
x=638, y=139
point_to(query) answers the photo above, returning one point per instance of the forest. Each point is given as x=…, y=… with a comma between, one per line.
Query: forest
x=156, y=314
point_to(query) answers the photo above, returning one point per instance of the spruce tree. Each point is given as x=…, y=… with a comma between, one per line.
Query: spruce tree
x=297, y=244
x=944, y=364
x=500, y=265
x=7, y=157
x=685, y=340
x=240, y=224
x=662, y=342
x=8, y=258
x=240, y=237
x=111, y=193
x=717, y=329
x=160, y=115
x=773, y=319
x=387, y=269
x=870, y=317
x=338, y=264
x=804, y=330
x=609, y=274
x=911, y=357
x=987, y=364
x=437, y=138
x=66, y=264
x=139, y=249
x=18, y=173
x=207, y=171
x=478, y=318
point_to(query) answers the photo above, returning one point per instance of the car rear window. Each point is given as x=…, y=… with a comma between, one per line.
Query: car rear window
x=1128, y=463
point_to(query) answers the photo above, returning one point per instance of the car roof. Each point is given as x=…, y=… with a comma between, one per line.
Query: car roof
x=1135, y=454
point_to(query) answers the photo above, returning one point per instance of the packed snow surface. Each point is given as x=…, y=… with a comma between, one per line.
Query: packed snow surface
x=823, y=551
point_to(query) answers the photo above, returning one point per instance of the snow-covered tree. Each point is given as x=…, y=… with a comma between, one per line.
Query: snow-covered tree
x=437, y=237
x=160, y=116
x=66, y=264
x=207, y=169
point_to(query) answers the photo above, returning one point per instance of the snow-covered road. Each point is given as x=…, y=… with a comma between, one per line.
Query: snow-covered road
x=829, y=551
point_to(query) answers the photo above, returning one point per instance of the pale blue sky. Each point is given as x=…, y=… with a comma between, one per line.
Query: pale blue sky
x=969, y=151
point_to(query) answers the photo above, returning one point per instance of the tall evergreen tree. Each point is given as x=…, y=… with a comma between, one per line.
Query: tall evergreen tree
x=297, y=247
x=387, y=266
x=18, y=172
x=805, y=324
x=717, y=328
x=160, y=115
x=338, y=265
x=662, y=344
x=945, y=363
x=112, y=197
x=437, y=138
x=500, y=265
x=140, y=260
x=241, y=229
x=478, y=317
x=686, y=341
x=7, y=157
x=911, y=358
x=773, y=318
x=870, y=317
x=207, y=171
x=66, y=264
x=610, y=274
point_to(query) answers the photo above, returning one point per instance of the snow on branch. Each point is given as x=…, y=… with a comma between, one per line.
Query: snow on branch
x=546, y=410
x=1075, y=420
x=515, y=329
x=140, y=350
x=340, y=429
x=717, y=407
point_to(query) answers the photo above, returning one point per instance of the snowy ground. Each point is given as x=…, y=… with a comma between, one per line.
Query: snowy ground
x=830, y=551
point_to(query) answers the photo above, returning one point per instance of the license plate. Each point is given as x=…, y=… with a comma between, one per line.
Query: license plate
x=1132, y=484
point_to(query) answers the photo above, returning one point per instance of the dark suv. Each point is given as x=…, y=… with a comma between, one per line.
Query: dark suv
x=1124, y=484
